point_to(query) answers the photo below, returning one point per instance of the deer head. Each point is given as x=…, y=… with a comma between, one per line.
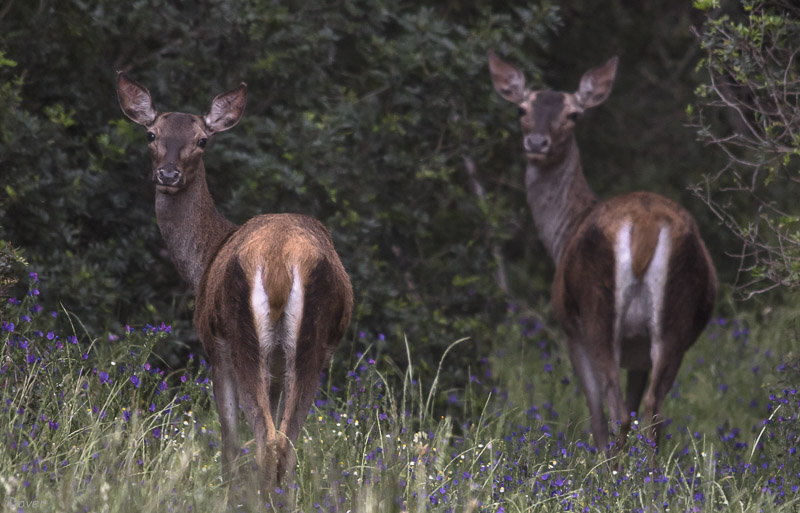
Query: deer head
x=177, y=140
x=548, y=117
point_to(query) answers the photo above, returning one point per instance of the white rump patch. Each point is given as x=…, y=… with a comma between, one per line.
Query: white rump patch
x=655, y=280
x=638, y=303
x=624, y=282
x=293, y=313
x=259, y=301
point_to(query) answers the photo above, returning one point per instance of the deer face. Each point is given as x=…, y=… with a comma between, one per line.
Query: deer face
x=547, y=118
x=177, y=140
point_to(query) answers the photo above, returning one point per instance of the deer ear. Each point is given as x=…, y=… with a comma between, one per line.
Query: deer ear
x=226, y=109
x=135, y=100
x=596, y=84
x=509, y=82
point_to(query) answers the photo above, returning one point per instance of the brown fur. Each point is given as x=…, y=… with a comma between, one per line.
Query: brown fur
x=580, y=233
x=276, y=243
x=590, y=256
x=221, y=261
x=583, y=296
x=644, y=237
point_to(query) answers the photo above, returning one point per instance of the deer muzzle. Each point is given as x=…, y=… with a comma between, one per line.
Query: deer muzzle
x=169, y=176
x=536, y=143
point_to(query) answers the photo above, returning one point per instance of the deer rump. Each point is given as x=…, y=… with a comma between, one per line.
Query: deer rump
x=267, y=290
x=636, y=271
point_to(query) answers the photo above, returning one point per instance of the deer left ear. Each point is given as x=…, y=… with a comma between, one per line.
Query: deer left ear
x=226, y=109
x=596, y=84
x=509, y=82
x=135, y=101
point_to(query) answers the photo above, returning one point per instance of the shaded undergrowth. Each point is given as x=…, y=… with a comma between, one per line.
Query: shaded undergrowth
x=89, y=423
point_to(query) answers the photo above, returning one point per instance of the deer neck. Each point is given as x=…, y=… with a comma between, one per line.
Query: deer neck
x=559, y=198
x=192, y=227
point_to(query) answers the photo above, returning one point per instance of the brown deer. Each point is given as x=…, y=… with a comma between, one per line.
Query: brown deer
x=634, y=285
x=272, y=297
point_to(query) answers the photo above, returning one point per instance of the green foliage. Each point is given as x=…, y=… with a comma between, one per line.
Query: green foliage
x=367, y=115
x=705, y=5
x=360, y=114
x=12, y=263
x=748, y=108
x=58, y=197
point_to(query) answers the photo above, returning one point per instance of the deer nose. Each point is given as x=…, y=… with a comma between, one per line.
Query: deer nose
x=536, y=143
x=169, y=176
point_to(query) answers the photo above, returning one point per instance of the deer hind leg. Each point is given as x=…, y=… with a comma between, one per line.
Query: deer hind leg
x=304, y=360
x=256, y=397
x=264, y=434
x=591, y=389
x=310, y=339
x=665, y=369
x=598, y=380
x=594, y=356
x=300, y=395
x=665, y=352
x=226, y=398
x=604, y=338
x=613, y=395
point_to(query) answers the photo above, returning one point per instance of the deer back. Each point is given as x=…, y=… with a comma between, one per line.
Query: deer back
x=277, y=249
x=587, y=267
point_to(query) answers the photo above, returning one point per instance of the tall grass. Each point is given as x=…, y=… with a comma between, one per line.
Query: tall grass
x=89, y=423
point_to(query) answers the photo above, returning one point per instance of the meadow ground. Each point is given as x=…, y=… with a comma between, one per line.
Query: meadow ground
x=87, y=424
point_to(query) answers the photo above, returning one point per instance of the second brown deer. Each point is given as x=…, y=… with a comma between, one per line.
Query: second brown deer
x=272, y=297
x=634, y=284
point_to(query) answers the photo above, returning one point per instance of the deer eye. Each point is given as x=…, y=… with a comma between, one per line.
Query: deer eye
x=202, y=142
x=151, y=137
x=573, y=116
x=521, y=111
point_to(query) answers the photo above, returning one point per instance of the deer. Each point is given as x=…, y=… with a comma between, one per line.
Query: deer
x=634, y=285
x=272, y=298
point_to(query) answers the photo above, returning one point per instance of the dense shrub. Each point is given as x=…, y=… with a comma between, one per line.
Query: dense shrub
x=748, y=109
x=360, y=113
x=376, y=117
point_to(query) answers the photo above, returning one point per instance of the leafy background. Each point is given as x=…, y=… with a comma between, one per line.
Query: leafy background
x=365, y=114
x=379, y=118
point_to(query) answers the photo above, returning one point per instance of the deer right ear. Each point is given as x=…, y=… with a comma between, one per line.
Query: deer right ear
x=596, y=84
x=135, y=101
x=509, y=82
x=227, y=109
